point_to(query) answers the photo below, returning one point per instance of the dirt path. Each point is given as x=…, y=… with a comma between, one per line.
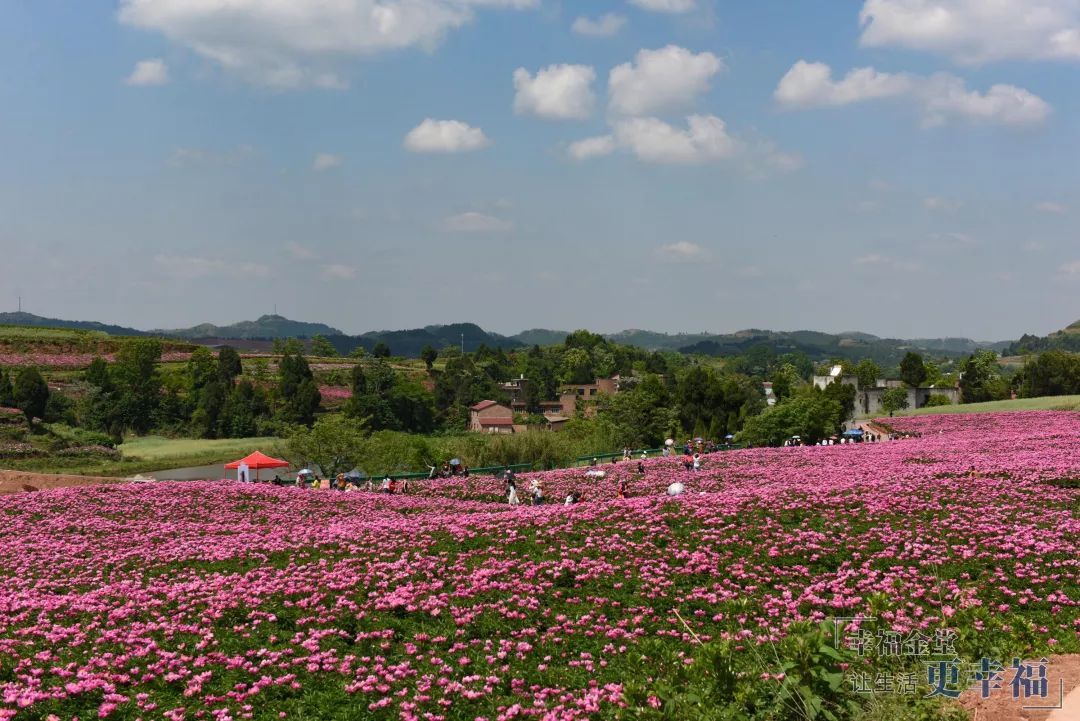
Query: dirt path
x=1001, y=706
x=13, y=481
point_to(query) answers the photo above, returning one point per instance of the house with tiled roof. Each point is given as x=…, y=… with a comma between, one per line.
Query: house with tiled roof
x=491, y=417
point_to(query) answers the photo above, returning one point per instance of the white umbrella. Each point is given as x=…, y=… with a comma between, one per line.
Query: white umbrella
x=669, y=442
x=676, y=489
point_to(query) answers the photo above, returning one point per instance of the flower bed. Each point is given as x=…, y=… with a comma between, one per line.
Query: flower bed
x=190, y=599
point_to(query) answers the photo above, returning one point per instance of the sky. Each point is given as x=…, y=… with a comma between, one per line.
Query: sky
x=908, y=168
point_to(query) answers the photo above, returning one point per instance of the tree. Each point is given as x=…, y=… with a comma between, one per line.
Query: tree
x=785, y=380
x=202, y=369
x=912, y=369
x=1052, y=373
x=894, y=399
x=381, y=350
x=867, y=372
x=428, y=355
x=358, y=352
x=844, y=394
x=322, y=348
x=577, y=366
x=138, y=388
x=335, y=444
x=97, y=374
x=31, y=394
x=204, y=421
x=809, y=414
x=296, y=387
x=243, y=408
x=980, y=378
x=7, y=397
x=230, y=366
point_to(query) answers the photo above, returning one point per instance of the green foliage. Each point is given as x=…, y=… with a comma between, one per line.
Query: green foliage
x=136, y=383
x=202, y=369
x=844, y=394
x=894, y=399
x=1053, y=373
x=381, y=350
x=981, y=379
x=229, y=364
x=299, y=395
x=30, y=393
x=358, y=352
x=334, y=443
x=323, y=348
x=810, y=414
x=800, y=679
x=7, y=394
x=867, y=372
x=912, y=369
x=936, y=400
x=429, y=355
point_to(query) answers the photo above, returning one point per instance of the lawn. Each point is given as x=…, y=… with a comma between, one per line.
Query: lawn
x=231, y=601
x=160, y=450
x=1049, y=403
x=149, y=454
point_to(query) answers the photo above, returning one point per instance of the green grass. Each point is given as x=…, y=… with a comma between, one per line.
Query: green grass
x=1049, y=403
x=152, y=453
x=157, y=448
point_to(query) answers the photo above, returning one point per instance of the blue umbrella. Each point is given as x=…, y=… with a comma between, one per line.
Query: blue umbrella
x=854, y=432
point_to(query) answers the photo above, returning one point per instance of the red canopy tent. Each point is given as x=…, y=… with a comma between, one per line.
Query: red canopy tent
x=258, y=460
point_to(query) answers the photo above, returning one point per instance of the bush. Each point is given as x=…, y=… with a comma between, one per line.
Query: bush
x=937, y=399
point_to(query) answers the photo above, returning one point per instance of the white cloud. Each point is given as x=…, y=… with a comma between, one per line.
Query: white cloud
x=301, y=252
x=326, y=161
x=705, y=140
x=1050, y=208
x=293, y=44
x=605, y=26
x=976, y=31
x=661, y=80
x=191, y=267
x=682, y=252
x=940, y=98
x=885, y=262
x=935, y=202
x=592, y=147
x=1071, y=269
x=808, y=85
x=473, y=222
x=665, y=6
x=1034, y=246
x=445, y=136
x=337, y=271
x=557, y=92
x=149, y=72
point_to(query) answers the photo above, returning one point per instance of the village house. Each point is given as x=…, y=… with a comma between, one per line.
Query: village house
x=491, y=417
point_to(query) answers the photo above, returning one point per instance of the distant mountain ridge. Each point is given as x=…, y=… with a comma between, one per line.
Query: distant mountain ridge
x=266, y=327
x=817, y=345
x=29, y=319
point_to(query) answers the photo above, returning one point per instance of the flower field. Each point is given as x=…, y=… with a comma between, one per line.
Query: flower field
x=225, y=601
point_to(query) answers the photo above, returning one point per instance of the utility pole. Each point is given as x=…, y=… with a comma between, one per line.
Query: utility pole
x=462, y=344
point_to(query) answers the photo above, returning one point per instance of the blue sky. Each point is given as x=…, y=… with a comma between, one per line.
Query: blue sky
x=901, y=167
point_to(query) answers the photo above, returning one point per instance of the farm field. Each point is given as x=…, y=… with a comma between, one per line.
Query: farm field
x=220, y=600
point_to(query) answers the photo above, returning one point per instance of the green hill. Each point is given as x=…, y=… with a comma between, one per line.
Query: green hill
x=264, y=328
x=37, y=321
